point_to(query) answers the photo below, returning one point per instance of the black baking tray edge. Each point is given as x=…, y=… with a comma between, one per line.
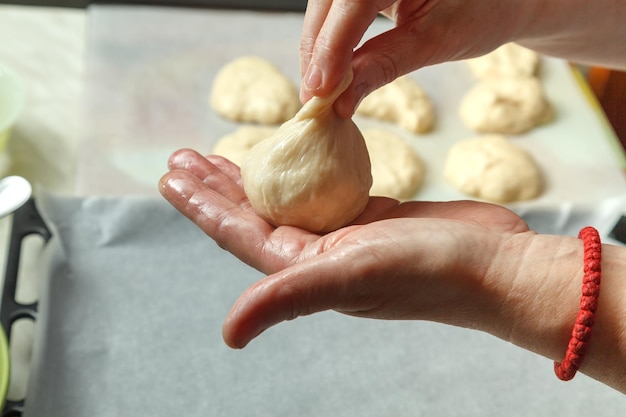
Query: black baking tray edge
x=26, y=222
x=269, y=5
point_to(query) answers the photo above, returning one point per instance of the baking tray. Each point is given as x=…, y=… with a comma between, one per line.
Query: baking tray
x=176, y=284
x=150, y=73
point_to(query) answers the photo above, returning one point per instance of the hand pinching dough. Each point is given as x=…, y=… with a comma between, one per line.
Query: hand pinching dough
x=251, y=89
x=506, y=105
x=510, y=59
x=491, y=167
x=402, y=101
x=313, y=173
x=397, y=169
x=236, y=145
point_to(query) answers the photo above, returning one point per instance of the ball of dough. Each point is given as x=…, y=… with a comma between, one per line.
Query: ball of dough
x=236, y=145
x=403, y=102
x=397, y=169
x=506, y=105
x=491, y=167
x=509, y=59
x=251, y=89
x=313, y=173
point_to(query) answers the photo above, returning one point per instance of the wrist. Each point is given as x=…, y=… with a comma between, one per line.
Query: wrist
x=536, y=280
x=540, y=300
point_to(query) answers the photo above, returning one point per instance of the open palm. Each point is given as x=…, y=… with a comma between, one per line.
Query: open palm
x=373, y=267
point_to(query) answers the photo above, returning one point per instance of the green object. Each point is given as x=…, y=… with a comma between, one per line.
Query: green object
x=12, y=97
x=4, y=367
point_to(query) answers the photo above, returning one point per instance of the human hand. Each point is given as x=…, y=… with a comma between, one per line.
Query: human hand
x=413, y=260
x=426, y=32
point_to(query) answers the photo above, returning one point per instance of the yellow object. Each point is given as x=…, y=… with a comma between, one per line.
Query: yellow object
x=4, y=367
x=12, y=97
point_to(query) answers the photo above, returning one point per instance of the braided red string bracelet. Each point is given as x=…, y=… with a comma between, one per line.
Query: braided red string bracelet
x=577, y=347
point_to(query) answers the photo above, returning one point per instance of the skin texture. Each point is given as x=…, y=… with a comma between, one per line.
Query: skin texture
x=464, y=263
x=428, y=32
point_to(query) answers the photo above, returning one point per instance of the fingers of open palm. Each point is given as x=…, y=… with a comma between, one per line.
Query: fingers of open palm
x=208, y=191
x=214, y=171
x=225, y=221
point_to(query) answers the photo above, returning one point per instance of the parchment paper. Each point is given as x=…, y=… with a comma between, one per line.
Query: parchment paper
x=133, y=298
x=150, y=72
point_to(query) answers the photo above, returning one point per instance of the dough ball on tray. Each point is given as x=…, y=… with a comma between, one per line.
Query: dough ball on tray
x=403, y=102
x=506, y=105
x=251, y=89
x=509, y=59
x=397, y=169
x=236, y=145
x=493, y=168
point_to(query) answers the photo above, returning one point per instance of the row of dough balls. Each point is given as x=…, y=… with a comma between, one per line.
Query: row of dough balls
x=507, y=99
x=489, y=167
x=251, y=89
x=397, y=170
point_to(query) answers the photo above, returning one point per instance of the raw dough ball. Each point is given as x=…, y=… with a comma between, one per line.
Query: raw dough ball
x=493, y=168
x=402, y=101
x=506, y=105
x=251, y=89
x=510, y=59
x=397, y=169
x=237, y=144
x=313, y=173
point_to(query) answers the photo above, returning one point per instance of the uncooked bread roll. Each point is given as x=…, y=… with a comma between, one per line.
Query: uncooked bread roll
x=402, y=101
x=313, y=173
x=397, y=169
x=493, y=168
x=251, y=89
x=506, y=105
x=509, y=59
x=236, y=145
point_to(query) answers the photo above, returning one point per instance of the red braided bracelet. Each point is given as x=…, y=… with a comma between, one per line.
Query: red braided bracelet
x=566, y=369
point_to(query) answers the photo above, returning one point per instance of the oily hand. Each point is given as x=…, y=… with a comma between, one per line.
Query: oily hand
x=415, y=260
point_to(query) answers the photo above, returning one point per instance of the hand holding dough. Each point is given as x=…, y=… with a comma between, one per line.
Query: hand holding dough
x=314, y=172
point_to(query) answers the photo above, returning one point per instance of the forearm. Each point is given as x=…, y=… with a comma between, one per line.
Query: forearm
x=582, y=31
x=543, y=301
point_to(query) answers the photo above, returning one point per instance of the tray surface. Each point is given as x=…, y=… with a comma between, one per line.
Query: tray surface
x=150, y=73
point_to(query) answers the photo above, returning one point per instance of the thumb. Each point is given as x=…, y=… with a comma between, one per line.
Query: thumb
x=300, y=290
x=384, y=58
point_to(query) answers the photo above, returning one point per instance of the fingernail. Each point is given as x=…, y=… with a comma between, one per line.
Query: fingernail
x=177, y=188
x=313, y=78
